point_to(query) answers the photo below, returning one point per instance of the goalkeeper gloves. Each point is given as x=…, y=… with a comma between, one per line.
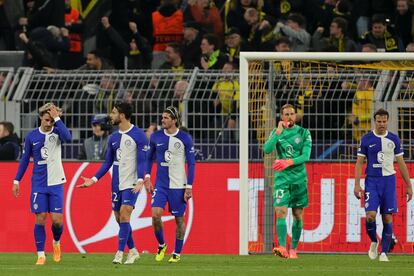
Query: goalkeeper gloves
x=280, y=165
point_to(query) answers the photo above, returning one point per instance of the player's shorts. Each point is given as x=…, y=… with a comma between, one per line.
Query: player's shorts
x=291, y=195
x=49, y=200
x=124, y=197
x=380, y=191
x=174, y=197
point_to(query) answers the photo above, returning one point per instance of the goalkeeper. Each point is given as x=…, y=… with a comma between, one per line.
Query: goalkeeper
x=293, y=147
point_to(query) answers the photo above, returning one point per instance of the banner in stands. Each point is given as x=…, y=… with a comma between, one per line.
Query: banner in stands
x=334, y=220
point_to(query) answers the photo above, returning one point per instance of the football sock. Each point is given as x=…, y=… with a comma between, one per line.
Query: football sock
x=281, y=231
x=57, y=232
x=160, y=236
x=40, y=237
x=130, y=241
x=386, y=237
x=296, y=232
x=178, y=246
x=371, y=228
x=124, y=229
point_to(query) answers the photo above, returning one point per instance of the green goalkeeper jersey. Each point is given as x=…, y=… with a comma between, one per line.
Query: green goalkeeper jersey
x=293, y=143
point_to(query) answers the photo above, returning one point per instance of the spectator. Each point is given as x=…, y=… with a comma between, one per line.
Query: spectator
x=174, y=59
x=281, y=9
x=362, y=11
x=9, y=142
x=44, y=45
x=167, y=25
x=44, y=13
x=211, y=58
x=295, y=30
x=403, y=21
x=10, y=12
x=137, y=51
x=337, y=41
x=94, y=147
x=385, y=40
x=261, y=26
x=228, y=95
x=206, y=14
x=96, y=61
x=179, y=90
x=233, y=45
x=369, y=48
x=362, y=108
x=234, y=15
x=74, y=57
x=410, y=47
x=191, y=44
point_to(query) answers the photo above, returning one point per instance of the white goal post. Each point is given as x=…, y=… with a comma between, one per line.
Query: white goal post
x=245, y=57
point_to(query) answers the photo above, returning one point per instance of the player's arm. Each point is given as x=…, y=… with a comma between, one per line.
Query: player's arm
x=142, y=145
x=190, y=157
x=24, y=162
x=106, y=165
x=150, y=150
x=405, y=175
x=358, y=171
x=270, y=143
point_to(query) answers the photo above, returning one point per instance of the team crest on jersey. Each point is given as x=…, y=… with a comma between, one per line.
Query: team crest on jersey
x=35, y=206
x=128, y=143
x=44, y=152
x=52, y=139
x=177, y=145
x=390, y=145
x=366, y=205
x=297, y=140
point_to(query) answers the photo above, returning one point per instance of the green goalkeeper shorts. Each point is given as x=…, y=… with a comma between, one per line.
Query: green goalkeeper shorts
x=290, y=195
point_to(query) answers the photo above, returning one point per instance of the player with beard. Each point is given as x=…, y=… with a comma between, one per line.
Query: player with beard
x=293, y=147
x=127, y=154
x=172, y=148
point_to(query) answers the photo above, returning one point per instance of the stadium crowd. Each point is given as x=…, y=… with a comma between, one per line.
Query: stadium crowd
x=135, y=34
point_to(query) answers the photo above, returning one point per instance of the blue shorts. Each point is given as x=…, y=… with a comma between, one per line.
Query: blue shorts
x=174, y=197
x=124, y=197
x=50, y=200
x=380, y=191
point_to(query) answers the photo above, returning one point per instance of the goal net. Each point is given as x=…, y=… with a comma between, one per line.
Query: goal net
x=335, y=95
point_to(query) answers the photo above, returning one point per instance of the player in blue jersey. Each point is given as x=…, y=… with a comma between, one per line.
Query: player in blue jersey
x=44, y=145
x=380, y=147
x=172, y=148
x=127, y=154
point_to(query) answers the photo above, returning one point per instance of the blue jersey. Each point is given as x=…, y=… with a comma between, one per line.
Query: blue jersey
x=380, y=151
x=127, y=153
x=46, y=150
x=171, y=153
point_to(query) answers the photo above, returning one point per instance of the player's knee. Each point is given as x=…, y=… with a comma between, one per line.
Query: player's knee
x=370, y=218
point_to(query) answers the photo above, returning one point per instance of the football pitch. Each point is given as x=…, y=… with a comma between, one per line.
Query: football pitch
x=197, y=265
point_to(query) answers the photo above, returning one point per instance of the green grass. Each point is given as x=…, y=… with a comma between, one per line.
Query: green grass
x=197, y=265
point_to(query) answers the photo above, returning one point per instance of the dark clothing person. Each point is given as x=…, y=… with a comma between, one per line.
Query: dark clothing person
x=9, y=148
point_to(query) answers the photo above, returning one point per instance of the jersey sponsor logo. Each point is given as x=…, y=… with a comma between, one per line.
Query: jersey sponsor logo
x=110, y=228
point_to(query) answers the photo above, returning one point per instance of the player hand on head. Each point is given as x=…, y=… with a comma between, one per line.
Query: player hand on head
x=188, y=194
x=409, y=193
x=280, y=165
x=87, y=182
x=54, y=112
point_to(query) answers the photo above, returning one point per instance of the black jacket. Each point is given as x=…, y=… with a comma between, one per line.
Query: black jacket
x=9, y=148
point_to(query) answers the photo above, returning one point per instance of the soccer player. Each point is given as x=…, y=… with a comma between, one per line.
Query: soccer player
x=44, y=145
x=380, y=147
x=293, y=147
x=172, y=147
x=127, y=154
